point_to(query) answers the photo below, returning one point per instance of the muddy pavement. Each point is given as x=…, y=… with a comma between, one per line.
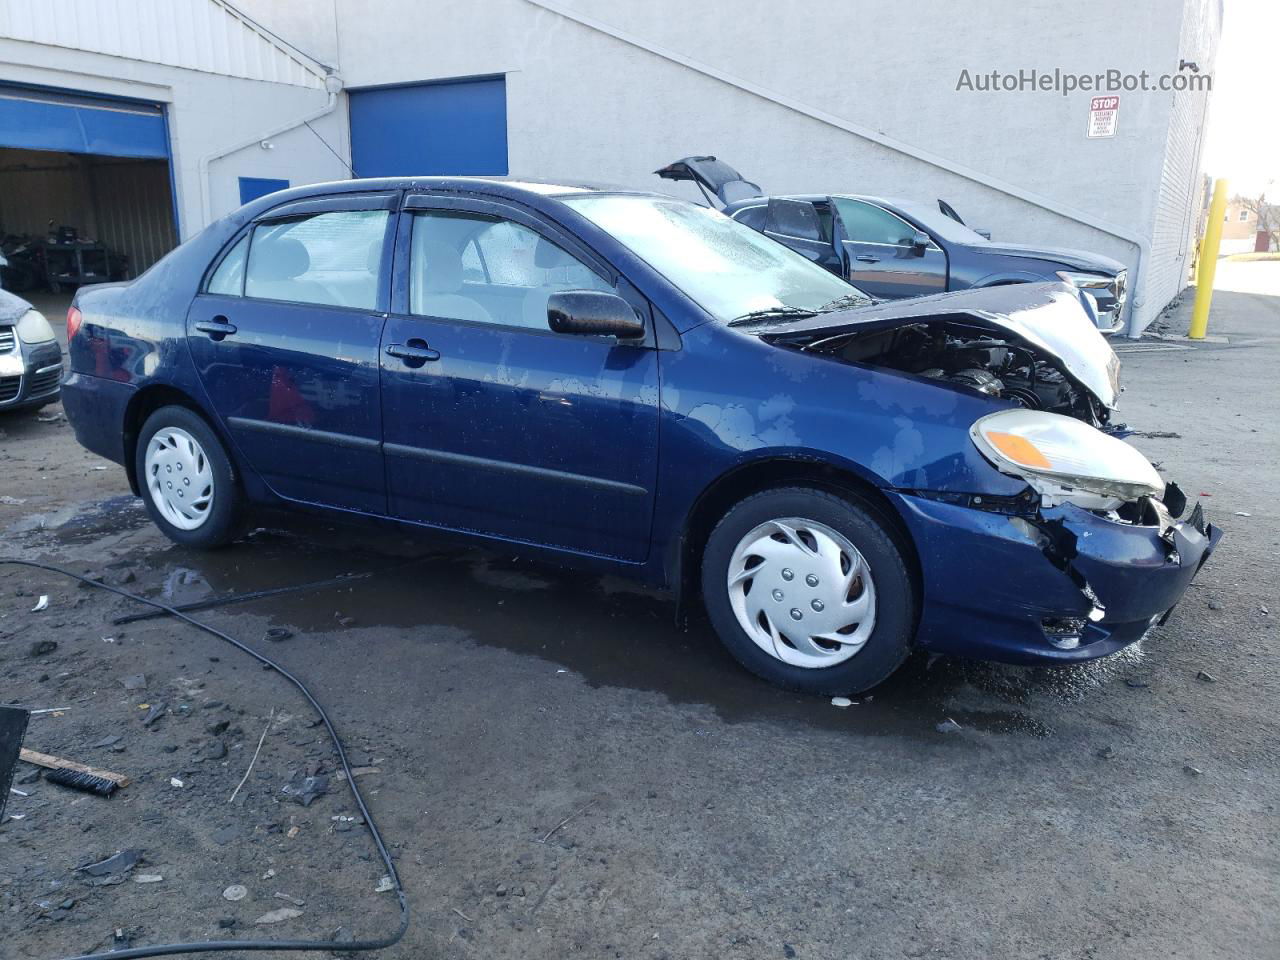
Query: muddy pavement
x=561, y=771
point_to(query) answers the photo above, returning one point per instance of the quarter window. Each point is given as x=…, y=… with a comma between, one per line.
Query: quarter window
x=753, y=217
x=228, y=279
x=485, y=270
x=326, y=258
x=865, y=223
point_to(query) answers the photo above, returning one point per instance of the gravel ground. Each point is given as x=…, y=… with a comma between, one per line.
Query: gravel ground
x=560, y=771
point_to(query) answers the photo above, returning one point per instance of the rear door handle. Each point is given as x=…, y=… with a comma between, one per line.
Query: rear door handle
x=414, y=353
x=867, y=258
x=217, y=328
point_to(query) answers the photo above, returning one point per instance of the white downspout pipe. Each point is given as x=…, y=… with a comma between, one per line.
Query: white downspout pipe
x=332, y=85
x=1138, y=294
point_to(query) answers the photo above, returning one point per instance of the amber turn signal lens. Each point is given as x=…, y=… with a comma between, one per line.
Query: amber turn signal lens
x=1018, y=449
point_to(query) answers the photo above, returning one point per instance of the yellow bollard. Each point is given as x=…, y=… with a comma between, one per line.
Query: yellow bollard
x=1208, y=261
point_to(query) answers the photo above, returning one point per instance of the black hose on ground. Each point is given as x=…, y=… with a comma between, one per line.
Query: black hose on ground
x=210, y=946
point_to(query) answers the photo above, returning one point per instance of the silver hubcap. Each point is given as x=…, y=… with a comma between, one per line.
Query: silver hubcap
x=802, y=592
x=179, y=478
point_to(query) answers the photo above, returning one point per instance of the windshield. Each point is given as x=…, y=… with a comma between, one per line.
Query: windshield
x=938, y=223
x=728, y=269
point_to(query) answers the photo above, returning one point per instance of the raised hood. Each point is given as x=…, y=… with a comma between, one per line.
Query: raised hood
x=1050, y=318
x=11, y=307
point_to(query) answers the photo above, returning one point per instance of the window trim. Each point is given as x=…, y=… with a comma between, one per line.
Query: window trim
x=421, y=202
x=295, y=209
x=835, y=206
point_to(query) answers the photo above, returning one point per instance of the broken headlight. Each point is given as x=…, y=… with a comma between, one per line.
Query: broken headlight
x=1066, y=460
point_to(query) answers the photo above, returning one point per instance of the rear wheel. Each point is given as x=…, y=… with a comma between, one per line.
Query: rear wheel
x=810, y=590
x=187, y=480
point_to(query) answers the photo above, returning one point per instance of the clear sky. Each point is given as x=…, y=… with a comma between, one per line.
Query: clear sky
x=1243, y=140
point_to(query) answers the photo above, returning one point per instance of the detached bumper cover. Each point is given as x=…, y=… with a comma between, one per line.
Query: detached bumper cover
x=991, y=580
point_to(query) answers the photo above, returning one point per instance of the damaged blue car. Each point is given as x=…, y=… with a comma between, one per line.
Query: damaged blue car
x=640, y=385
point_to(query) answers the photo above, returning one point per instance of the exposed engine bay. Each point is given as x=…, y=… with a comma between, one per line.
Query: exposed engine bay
x=973, y=356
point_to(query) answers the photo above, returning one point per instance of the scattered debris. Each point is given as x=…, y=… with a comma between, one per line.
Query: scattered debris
x=277, y=634
x=235, y=892
x=278, y=916
x=463, y=915
x=841, y=702
x=77, y=776
x=156, y=711
x=136, y=682
x=1242, y=513
x=225, y=835
x=254, y=758
x=294, y=900
x=1215, y=605
x=344, y=621
x=9, y=501
x=385, y=885
x=1206, y=677
x=948, y=726
x=1194, y=771
x=1136, y=684
x=118, y=864
x=563, y=822
x=1107, y=753
x=148, y=878
x=110, y=741
x=41, y=648
x=175, y=782
x=41, y=604
x=305, y=790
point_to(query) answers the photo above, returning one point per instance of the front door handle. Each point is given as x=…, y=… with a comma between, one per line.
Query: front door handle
x=867, y=258
x=217, y=328
x=414, y=353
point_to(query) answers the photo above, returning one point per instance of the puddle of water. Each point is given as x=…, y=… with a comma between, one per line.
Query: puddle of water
x=611, y=636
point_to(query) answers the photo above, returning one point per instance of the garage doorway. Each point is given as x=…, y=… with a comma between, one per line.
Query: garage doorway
x=86, y=191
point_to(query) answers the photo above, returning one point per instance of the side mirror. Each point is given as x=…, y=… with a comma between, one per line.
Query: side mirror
x=920, y=242
x=593, y=313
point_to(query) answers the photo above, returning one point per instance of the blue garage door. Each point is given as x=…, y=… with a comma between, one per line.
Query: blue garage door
x=38, y=119
x=424, y=129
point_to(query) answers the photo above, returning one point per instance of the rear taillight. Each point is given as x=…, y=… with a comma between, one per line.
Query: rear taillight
x=73, y=323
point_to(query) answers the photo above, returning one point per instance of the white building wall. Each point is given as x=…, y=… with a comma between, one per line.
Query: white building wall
x=1180, y=195
x=584, y=103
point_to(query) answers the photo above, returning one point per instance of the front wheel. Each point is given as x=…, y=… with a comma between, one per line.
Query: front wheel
x=187, y=480
x=810, y=590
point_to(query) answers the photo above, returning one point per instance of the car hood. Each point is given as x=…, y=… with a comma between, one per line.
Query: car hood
x=1050, y=318
x=1073, y=259
x=11, y=307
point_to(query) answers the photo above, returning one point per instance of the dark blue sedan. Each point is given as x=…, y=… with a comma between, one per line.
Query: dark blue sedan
x=641, y=385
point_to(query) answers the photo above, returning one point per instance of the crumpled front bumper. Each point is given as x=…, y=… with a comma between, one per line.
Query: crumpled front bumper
x=995, y=586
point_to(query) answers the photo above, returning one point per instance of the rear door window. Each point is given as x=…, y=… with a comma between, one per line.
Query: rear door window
x=331, y=258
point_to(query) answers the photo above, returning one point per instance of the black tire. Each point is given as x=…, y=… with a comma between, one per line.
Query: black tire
x=897, y=597
x=223, y=522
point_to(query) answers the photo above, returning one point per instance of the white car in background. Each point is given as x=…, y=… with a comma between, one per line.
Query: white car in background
x=30, y=357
